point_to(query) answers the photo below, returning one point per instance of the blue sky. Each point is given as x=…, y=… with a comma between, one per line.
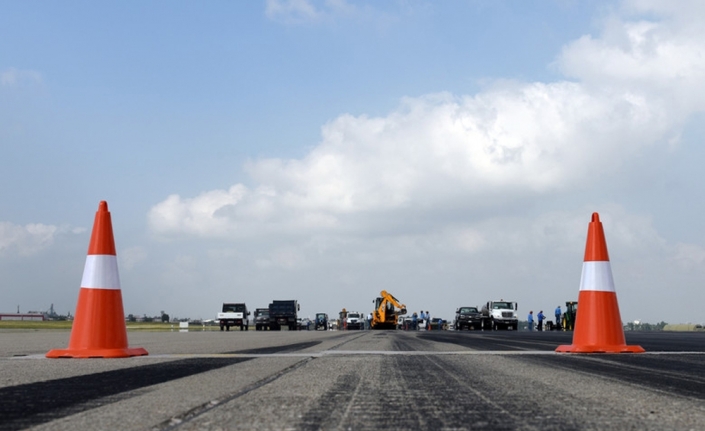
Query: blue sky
x=448, y=152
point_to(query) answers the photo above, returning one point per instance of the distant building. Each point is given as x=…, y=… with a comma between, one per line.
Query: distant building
x=22, y=316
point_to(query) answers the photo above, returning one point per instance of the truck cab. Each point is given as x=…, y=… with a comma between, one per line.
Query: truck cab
x=354, y=320
x=233, y=314
x=500, y=314
x=261, y=319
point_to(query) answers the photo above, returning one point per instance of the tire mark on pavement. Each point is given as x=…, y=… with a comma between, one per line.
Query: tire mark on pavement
x=176, y=421
x=676, y=375
x=328, y=407
x=31, y=404
x=184, y=418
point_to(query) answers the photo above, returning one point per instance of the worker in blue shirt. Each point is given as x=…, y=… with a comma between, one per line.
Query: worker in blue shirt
x=531, y=320
x=558, y=317
x=540, y=317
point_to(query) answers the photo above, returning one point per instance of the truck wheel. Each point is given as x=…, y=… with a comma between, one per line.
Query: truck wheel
x=227, y=327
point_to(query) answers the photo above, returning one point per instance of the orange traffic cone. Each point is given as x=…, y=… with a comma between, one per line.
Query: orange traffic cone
x=598, y=325
x=99, y=329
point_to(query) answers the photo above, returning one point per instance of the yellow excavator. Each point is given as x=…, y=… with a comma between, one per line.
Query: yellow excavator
x=387, y=310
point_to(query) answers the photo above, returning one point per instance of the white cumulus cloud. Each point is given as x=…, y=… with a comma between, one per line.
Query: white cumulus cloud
x=505, y=144
x=12, y=77
x=442, y=159
x=308, y=11
x=294, y=10
x=26, y=240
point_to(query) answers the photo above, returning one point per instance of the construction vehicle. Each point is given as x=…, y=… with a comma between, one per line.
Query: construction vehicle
x=343, y=319
x=321, y=321
x=387, y=311
x=283, y=313
x=233, y=315
x=500, y=314
x=568, y=319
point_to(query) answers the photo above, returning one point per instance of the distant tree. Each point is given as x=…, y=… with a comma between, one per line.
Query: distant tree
x=131, y=318
x=147, y=319
x=165, y=317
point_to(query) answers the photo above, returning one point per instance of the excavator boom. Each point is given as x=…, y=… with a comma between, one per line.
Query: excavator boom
x=387, y=308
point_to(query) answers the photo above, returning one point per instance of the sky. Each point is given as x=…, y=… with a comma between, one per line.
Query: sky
x=450, y=153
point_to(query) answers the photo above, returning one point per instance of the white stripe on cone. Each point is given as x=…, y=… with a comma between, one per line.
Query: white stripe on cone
x=597, y=275
x=101, y=272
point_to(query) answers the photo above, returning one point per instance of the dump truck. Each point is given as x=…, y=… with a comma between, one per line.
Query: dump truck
x=387, y=310
x=283, y=313
x=500, y=314
x=233, y=314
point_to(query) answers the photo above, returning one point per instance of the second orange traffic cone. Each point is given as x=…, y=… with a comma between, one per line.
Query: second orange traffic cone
x=99, y=329
x=598, y=325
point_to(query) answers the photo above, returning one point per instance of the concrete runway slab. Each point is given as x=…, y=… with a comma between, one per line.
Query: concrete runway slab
x=353, y=380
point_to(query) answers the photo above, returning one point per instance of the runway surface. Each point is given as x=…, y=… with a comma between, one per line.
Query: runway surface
x=354, y=380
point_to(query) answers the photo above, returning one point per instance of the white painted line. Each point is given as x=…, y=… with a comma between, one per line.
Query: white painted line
x=332, y=353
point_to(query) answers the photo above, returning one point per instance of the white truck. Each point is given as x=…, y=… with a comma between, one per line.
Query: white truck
x=500, y=314
x=234, y=314
x=354, y=320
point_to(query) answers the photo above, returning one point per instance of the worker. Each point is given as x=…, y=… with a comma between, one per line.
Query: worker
x=428, y=320
x=531, y=320
x=414, y=320
x=558, y=317
x=369, y=321
x=540, y=317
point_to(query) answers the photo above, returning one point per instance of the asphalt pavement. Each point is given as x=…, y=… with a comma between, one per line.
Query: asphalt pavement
x=311, y=380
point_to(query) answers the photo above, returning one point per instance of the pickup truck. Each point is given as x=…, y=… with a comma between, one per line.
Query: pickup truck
x=468, y=317
x=261, y=319
x=233, y=314
x=354, y=320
